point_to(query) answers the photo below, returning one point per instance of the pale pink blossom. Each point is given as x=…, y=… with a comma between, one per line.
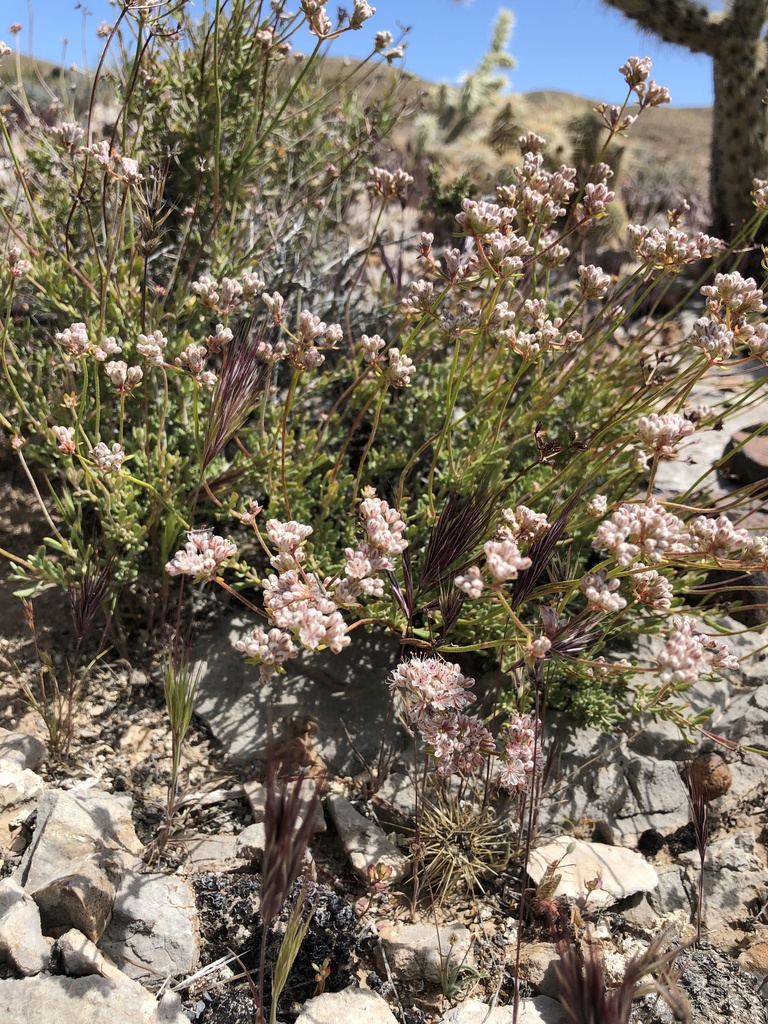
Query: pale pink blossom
x=600, y=592
x=504, y=560
x=458, y=743
x=431, y=686
x=268, y=649
x=107, y=457
x=521, y=758
x=471, y=583
x=202, y=556
x=661, y=431
x=646, y=530
x=65, y=438
x=653, y=590
x=151, y=347
x=688, y=653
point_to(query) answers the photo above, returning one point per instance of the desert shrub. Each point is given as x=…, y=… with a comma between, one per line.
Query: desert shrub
x=452, y=445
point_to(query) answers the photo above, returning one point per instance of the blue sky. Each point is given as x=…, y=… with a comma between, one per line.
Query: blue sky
x=573, y=45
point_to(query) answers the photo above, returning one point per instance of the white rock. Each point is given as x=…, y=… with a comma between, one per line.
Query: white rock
x=21, y=749
x=57, y=1000
x=80, y=957
x=621, y=872
x=154, y=927
x=541, y=1010
x=257, y=798
x=365, y=843
x=420, y=950
x=21, y=936
x=351, y=1006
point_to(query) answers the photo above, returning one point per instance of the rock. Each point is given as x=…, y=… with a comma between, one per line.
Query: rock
x=83, y=841
x=154, y=927
x=351, y=1006
x=256, y=795
x=733, y=876
x=250, y=843
x=747, y=456
x=541, y=1010
x=621, y=872
x=22, y=750
x=80, y=956
x=537, y=967
x=711, y=775
x=213, y=853
x=337, y=691
x=19, y=791
x=56, y=1000
x=21, y=937
x=718, y=989
x=365, y=843
x=423, y=950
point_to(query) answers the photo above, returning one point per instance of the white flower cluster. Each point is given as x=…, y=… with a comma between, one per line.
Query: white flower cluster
x=600, y=592
x=124, y=378
x=660, y=431
x=229, y=295
x=646, y=530
x=151, y=346
x=76, y=342
x=521, y=759
x=108, y=458
x=269, y=650
x=652, y=589
x=389, y=184
x=299, y=603
x=202, y=556
x=193, y=359
x=688, y=653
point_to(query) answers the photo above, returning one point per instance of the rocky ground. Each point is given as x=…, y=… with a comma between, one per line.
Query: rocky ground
x=103, y=918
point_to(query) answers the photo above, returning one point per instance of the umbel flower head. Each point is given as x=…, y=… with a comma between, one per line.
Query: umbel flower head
x=202, y=555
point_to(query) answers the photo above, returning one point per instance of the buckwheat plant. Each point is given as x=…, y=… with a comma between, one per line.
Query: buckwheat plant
x=455, y=444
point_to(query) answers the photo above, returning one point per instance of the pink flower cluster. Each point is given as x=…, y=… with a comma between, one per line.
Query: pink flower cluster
x=297, y=600
x=434, y=693
x=688, y=653
x=646, y=530
x=202, y=556
x=661, y=431
x=521, y=759
x=75, y=340
x=385, y=538
x=269, y=650
x=230, y=294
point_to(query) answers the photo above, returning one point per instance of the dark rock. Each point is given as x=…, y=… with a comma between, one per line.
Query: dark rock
x=747, y=456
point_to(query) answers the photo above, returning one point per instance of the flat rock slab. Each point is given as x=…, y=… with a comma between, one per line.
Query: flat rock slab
x=364, y=842
x=621, y=872
x=154, y=927
x=19, y=790
x=83, y=842
x=21, y=937
x=58, y=1000
x=541, y=1010
x=423, y=951
x=337, y=692
x=352, y=1006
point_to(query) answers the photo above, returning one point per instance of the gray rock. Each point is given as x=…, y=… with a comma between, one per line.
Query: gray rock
x=21, y=749
x=250, y=843
x=621, y=872
x=257, y=798
x=364, y=842
x=339, y=691
x=19, y=791
x=21, y=937
x=733, y=876
x=154, y=927
x=81, y=957
x=422, y=950
x=537, y=967
x=58, y=1000
x=541, y=1010
x=351, y=1006
x=83, y=842
x=718, y=989
x=213, y=853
